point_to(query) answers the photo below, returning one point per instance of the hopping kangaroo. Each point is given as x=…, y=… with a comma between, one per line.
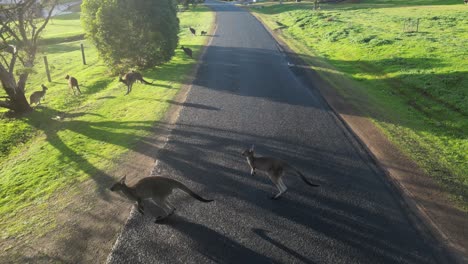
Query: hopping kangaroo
x=36, y=97
x=193, y=31
x=187, y=51
x=274, y=168
x=73, y=82
x=157, y=189
x=130, y=78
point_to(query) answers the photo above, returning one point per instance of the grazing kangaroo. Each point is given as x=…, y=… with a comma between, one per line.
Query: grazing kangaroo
x=203, y=33
x=157, y=189
x=73, y=82
x=192, y=30
x=274, y=168
x=187, y=51
x=130, y=78
x=36, y=97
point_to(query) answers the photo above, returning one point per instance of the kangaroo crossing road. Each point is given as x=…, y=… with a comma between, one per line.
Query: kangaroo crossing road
x=244, y=93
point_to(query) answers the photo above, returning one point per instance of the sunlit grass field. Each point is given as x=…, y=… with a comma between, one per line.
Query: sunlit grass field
x=410, y=79
x=71, y=139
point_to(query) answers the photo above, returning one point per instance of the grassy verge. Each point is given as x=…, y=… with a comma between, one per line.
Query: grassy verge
x=413, y=85
x=71, y=139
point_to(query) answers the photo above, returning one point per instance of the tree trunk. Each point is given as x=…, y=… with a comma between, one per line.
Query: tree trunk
x=20, y=103
x=16, y=99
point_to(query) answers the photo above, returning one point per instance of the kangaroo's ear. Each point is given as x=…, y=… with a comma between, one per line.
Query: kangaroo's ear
x=252, y=148
x=122, y=181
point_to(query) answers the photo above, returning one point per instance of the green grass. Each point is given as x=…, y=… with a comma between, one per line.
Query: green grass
x=413, y=85
x=71, y=139
x=62, y=29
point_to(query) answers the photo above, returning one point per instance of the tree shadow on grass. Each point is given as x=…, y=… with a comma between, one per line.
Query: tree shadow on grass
x=96, y=86
x=51, y=122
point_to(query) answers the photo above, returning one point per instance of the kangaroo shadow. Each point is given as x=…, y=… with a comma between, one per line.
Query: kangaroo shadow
x=194, y=105
x=215, y=246
x=263, y=234
x=61, y=121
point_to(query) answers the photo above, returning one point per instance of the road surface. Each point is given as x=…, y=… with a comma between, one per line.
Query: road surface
x=245, y=93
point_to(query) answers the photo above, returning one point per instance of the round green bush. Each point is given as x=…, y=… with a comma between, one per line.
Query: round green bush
x=132, y=33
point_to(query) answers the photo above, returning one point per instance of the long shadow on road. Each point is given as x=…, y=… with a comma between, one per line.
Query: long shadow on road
x=353, y=207
x=215, y=246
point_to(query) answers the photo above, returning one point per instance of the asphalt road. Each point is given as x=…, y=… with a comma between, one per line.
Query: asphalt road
x=245, y=93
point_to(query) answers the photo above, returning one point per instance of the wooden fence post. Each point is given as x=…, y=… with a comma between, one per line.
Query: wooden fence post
x=83, y=54
x=47, y=69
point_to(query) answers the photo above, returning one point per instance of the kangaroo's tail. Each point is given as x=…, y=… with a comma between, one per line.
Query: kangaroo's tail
x=190, y=192
x=303, y=177
x=146, y=82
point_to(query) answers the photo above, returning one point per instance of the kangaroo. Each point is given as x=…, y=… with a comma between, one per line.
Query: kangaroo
x=187, y=51
x=157, y=189
x=36, y=97
x=73, y=82
x=203, y=33
x=274, y=168
x=130, y=78
x=192, y=30
x=466, y=2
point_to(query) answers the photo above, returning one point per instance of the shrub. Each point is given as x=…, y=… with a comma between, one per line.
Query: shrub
x=132, y=33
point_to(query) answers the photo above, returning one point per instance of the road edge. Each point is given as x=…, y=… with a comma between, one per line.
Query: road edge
x=385, y=156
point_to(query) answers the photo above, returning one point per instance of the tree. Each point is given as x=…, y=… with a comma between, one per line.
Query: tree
x=132, y=33
x=21, y=23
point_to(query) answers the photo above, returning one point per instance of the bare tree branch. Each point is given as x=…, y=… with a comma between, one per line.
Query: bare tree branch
x=54, y=3
x=6, y=104
x=9, y=29
x=4, y=60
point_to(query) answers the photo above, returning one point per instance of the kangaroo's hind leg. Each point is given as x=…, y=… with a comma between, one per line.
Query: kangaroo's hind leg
x=129, y=87
x=140, y=206
x=275, y=176
x=164, y=205
x=172, y=207
x=283, y=186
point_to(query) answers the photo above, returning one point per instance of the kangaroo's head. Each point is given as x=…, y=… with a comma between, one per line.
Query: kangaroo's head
x=124, y=189
x=67, y=77
x=249, y=153
x=44, y=88
x=122, y=80
x=119, y=186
